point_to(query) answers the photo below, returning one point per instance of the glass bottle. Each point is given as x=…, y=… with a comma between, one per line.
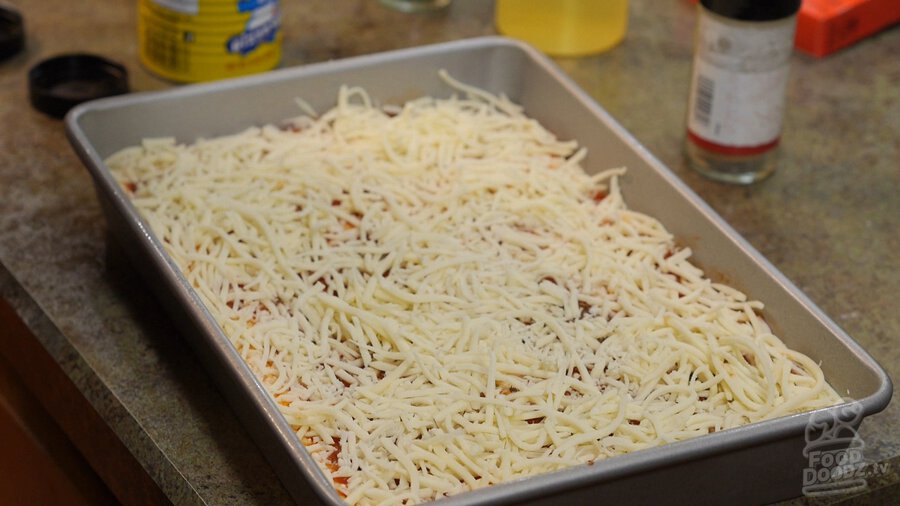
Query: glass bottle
x=738, y=86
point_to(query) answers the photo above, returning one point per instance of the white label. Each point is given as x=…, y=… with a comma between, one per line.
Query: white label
x=183, y=6
x=739, y=80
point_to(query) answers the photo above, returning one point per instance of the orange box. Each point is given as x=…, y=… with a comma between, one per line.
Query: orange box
x=825, y=26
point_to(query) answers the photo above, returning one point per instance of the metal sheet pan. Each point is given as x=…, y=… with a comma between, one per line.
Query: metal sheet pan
x=762, y=462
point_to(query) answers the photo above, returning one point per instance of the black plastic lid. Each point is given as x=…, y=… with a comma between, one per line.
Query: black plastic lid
x=12, y=33
x=753, y=10
x=60, y=83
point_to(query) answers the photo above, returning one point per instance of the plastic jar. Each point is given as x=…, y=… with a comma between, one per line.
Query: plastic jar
x=564, y=27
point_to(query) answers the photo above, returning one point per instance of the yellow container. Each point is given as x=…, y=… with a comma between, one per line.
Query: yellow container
x=564, y=27
x=205, y=40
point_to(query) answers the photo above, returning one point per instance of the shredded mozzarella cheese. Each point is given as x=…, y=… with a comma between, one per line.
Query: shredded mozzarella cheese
x=439, y=298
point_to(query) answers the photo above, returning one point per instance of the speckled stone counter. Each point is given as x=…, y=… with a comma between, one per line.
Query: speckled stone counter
x=828, y=218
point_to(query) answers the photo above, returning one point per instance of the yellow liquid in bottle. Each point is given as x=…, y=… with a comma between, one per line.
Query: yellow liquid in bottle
x=564, y=27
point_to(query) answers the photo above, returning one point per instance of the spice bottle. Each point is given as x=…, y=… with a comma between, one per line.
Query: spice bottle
x=738, y=85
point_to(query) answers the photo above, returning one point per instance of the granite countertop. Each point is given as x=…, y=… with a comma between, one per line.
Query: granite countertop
x=828, y=218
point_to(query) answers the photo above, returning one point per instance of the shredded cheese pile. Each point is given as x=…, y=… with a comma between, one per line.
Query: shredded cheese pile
x=439, y=298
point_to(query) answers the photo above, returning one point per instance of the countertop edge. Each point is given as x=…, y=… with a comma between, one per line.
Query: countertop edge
x=146, y=452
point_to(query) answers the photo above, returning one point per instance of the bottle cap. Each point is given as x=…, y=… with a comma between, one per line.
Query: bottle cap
x=60, y=83
x=12, y=33
x=753, y=10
